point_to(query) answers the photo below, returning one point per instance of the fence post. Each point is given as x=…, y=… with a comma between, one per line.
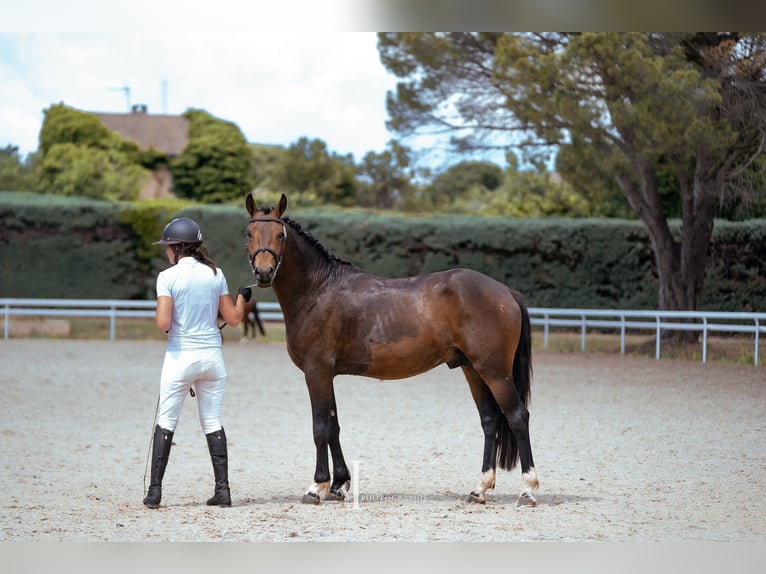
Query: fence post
x=582, y=335
x=757, y=331
x=622, y=334
x=112, y=321
x=704, y=339
x=657, y=343
x=7, y=313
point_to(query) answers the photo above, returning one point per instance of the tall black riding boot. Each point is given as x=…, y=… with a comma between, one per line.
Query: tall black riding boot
x=216, y=444
x=163, y=439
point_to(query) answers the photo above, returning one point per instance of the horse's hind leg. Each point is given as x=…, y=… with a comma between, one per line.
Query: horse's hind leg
x=516, y=444
x=488, y=414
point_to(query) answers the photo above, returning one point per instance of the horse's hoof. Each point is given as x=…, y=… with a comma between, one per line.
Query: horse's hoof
x=526, y=500
x=311, y=498
x=336, y=494
x=474, y=497
x=339, y=493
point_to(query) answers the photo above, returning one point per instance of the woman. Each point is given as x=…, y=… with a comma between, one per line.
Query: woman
x=190, y=295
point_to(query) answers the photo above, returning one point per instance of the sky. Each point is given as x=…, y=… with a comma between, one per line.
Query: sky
x=276, y=86
x=279, y=70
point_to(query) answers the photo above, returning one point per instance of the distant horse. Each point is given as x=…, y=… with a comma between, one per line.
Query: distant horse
x=341, y=320
x=251, y=320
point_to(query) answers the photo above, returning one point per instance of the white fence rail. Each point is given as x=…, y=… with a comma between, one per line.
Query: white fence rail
x=106, y=308
x=622, y=321
x=702, y=321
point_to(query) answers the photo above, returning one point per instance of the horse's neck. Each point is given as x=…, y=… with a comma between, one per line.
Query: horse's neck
x=300, y=275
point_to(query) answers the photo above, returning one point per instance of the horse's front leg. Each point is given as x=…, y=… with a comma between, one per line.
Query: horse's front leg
x=341, y=478
x=326, y=435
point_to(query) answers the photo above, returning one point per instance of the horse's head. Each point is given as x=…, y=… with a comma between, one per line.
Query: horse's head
x=265, y=239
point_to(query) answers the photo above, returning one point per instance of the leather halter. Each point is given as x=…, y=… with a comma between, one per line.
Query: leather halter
x=277, y=258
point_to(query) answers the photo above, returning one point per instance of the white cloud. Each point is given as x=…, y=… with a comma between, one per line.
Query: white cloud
x=275, y=86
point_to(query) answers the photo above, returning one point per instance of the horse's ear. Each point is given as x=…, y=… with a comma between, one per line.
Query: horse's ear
x=250, y=204
x=282, y=205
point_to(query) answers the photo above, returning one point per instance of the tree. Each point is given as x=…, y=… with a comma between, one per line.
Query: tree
x=215, y=165
x=15, y=175
x=459, y=178
x=264, y=164
x=647, y=112
x=62, y=124
x=70, y=169
x=310, y=170
x=384, y=180
x=79, y=156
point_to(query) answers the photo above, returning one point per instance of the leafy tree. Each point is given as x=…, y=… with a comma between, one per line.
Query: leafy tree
x=62, y=124
x=16, y=175
x=459, y=178
x=215, y=165
x=80, y=156
x=384, y=179
x=648, y=112
x=264, y=164
x=74, y=170
x=537, y=193
x=309, y=169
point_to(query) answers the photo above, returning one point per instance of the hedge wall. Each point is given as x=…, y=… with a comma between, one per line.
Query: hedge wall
x=52, y=246
x=59, y=247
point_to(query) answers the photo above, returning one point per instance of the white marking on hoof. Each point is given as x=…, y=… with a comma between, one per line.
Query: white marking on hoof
x=487, y=482
x=530, y=482
x=317, y=492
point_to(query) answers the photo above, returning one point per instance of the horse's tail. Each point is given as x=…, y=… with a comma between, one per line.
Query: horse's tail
x=522, y=362
x=507, y=449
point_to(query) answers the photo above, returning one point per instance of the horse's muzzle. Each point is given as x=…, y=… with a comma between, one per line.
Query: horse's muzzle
x=263, y=276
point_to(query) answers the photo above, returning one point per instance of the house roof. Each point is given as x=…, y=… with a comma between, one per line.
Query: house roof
x=165, y=133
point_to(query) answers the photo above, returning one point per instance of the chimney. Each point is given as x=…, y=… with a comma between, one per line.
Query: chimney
x=139, y=109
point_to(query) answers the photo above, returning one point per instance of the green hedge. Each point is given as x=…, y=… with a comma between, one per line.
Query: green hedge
x=61, y=247
x=53, y=246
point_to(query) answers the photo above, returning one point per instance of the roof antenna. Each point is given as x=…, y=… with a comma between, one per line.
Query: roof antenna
x=126, y=90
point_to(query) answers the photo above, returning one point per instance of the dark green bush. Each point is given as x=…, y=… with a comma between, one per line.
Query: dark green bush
x=66, y=248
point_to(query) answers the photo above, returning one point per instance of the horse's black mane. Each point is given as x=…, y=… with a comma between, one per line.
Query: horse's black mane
x=313, y=241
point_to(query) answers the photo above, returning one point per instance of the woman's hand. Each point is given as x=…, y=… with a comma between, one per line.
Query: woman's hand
x=246, y=292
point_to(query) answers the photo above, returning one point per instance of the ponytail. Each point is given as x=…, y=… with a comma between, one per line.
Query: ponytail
x=196, y=250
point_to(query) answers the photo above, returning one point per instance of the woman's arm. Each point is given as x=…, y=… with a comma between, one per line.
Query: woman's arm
x=163, y=313
x=232, y=313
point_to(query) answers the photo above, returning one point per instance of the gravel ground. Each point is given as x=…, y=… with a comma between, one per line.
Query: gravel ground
x=627, y=450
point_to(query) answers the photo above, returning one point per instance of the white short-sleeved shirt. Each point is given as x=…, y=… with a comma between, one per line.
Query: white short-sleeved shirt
x=195, y=291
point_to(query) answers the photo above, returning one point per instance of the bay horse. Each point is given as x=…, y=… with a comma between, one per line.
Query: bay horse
x=340, y=320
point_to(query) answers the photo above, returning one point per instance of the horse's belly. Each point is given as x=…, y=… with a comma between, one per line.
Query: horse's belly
x=395, y=362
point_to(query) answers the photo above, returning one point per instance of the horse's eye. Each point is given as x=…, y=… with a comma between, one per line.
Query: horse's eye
x=248, y=235
x=281, y=236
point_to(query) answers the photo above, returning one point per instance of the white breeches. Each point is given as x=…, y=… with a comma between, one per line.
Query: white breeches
x=203, y=368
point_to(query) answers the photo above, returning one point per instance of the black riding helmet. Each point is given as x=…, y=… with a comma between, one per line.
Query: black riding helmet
x=181, y=230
